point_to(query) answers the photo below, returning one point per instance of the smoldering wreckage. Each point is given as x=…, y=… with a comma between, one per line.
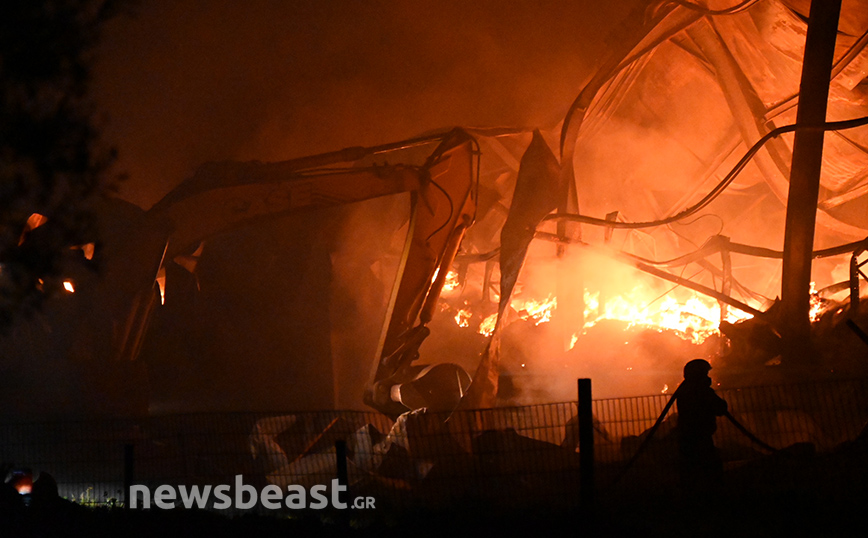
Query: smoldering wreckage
x=477, y=250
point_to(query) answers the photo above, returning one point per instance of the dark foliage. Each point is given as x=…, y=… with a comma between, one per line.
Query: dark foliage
x=51, y=162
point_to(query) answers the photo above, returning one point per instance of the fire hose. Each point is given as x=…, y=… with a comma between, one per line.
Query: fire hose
x=739, y=426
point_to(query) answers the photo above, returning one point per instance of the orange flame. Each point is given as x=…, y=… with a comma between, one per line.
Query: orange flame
x=67, y=285
x=816, y=303
x=462, y=318
x=486, y=328
x=694, y=320
x=451, y=281
x=540, y=311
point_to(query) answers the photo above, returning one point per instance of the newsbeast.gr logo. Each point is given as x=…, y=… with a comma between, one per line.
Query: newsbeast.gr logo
x=244, y=496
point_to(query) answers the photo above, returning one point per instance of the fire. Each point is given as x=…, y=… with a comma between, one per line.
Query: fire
x=692, y=316
x=451, y=281
x=540, y=311
x=462, y=318
x=67, y=285
x=816, y=303
x=161, y=284
x=486, y=328
x=694, y=320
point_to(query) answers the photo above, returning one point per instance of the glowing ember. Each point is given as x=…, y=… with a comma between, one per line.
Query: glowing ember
x=67, y=285
x=538, y=311
x=161, y=283
x=86, y=249
x=541, y=312
x=816, y=304
x=451, y=281
x=35, y=221
x=462, y=318
x=486, y=328
x=665, y=389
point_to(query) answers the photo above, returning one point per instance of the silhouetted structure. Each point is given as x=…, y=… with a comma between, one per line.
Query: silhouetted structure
x=700, y=466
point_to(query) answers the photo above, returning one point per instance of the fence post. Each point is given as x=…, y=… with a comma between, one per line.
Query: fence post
x=129, y=459
x=586, y=444
x=341, y=457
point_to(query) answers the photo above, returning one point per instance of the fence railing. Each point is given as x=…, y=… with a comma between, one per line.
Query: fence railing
x=504, y=457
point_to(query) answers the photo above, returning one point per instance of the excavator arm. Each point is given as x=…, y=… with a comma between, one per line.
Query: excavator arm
x=224, y=196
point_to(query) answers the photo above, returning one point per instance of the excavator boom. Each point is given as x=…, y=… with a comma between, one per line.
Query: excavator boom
x=224, y=196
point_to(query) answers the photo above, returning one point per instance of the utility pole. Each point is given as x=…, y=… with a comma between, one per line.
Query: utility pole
x=805, y=181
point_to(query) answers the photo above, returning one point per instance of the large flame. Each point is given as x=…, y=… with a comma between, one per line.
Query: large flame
x=530, y=309
x=695, y=319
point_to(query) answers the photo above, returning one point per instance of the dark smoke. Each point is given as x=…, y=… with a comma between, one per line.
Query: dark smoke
x=187, y=82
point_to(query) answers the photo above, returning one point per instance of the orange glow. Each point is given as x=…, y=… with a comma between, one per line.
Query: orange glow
x=816, y=303
x=67, y=285
x=462, y=318
x=539, y=311
x=451, y=281
x=35, y=221
x=693, y=320
x=486, y=328
x=161, y=283
x=86, y=249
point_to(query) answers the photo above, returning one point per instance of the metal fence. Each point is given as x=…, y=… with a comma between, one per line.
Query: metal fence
x=499, y=458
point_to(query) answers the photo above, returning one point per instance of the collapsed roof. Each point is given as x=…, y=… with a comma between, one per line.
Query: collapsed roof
x=685, y=93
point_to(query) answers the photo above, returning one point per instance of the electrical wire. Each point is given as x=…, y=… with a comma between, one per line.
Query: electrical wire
x=451, y=211
x=738, y=8
x=476, y=152
x=720, y=187
x=700, y=217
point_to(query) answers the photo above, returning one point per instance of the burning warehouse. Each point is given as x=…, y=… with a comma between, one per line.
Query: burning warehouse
x=612, y=243
x=408, y=316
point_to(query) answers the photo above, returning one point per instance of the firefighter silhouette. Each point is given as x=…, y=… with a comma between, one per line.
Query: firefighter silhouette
x=700, y=465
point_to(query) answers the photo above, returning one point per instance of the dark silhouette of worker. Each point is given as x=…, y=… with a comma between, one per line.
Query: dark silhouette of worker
x=700, y=466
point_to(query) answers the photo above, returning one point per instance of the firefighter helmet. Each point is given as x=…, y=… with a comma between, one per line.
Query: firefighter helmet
x=696, y=369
